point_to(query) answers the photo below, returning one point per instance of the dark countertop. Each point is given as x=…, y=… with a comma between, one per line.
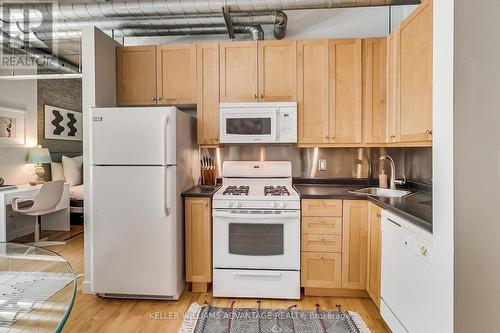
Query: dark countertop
x=416, y=207
x=202, y=192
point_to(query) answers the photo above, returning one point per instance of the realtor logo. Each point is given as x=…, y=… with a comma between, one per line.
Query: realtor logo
x=20, y=47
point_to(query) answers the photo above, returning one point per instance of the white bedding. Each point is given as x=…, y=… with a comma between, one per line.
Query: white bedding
x=76, y=192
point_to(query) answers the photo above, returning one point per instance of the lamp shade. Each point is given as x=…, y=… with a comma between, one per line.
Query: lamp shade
x=39, y=155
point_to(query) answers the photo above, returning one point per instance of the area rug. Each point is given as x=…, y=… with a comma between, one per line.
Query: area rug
x=209, y=319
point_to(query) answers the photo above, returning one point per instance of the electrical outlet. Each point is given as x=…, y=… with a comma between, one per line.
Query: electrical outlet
x=322, y=165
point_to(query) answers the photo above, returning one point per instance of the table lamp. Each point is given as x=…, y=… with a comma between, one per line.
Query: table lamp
x=39, y=156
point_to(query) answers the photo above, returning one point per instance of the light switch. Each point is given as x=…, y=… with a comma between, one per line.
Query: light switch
x=322, y=165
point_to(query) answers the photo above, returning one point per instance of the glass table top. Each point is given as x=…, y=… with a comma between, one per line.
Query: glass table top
x=37, y=289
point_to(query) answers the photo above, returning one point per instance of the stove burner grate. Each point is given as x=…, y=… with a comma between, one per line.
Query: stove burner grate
x=276, y=190
x=236, y=190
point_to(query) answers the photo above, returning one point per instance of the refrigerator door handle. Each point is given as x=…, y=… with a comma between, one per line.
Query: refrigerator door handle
x=165, y=138
x=165, y=190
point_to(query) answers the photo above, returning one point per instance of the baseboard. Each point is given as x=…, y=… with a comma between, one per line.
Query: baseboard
x=335, y=292
x=87, y=288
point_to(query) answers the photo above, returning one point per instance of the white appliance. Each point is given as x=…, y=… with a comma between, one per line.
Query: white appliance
x=259, y=122
x=141, y=160
x=406, y=289
x=256, y=232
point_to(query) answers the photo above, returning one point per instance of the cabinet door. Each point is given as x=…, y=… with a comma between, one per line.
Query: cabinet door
x=238, y=72
x=277, y=62
x=392, y=85
x=320, y=270
x=345, y=90
x=207, y=82
x=374, y=252
x=354, y=244
x=176, y=74
x=313, y=91
x=415, y=76
x=374, y=86
x=136, y=75
x=198, y=231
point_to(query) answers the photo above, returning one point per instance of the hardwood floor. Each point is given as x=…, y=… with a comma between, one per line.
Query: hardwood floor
x=94, y=314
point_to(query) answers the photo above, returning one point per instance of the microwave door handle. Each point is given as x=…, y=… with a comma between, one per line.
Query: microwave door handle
x=275, y=125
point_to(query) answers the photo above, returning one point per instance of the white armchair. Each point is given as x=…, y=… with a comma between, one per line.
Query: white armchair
x=43, y=202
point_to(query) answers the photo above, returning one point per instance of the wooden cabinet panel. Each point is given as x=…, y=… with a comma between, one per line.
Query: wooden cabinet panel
x=392, y=85
x=136, y=75
x=322, y=225
x=322, y=243
x=238, y=72
x=207, y=83
x=374, y=90
x=374, y=252
x=313, y=91
x=277, y=62
x=345, y=90
x=354, y=244
x=176, y=74
x=198, y=233
x=321, y=207
x=415, y=76
x=321, y=270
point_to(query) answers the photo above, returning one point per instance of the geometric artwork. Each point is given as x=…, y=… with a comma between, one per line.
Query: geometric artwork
x=62, y=124
x=11, y=127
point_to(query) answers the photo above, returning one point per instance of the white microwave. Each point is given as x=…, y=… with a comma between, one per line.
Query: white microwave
x=259, y=122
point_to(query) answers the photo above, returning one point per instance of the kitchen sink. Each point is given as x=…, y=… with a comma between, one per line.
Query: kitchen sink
x=381, y=192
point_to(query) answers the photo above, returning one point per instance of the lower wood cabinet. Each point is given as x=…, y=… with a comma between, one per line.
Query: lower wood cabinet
x=354, y=244
x=198, y=233
x=374, y=252
x=321, y=270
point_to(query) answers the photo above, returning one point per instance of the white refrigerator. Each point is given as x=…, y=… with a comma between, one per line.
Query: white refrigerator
x=141, y=161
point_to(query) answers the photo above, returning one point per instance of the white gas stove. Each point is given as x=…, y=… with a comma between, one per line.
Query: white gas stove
x=256, y=231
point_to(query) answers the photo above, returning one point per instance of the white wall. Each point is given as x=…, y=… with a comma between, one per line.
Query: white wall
x=311, y=24
x=20, y=95
x=442, y=166
x=98, y=90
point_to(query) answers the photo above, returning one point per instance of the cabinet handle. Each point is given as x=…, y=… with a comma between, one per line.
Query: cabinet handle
x=323, y=221
x=205, y=204
x=216, y=139
x=159, y=98
x=320, y=257
x=332, y=137
x=153, y=98
x=255, y=96
x=393, y=136
x=326, y=137
x=378, y=215
x=322, y=239
x=428, y=132
x=261, y=95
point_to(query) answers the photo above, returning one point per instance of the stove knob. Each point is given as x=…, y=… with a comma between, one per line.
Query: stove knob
x=276, y=205
x=229, y=204
x=238, y=204
x=283, y=205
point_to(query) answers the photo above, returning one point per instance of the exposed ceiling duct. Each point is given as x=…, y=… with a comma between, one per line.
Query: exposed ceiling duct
x=42, y=58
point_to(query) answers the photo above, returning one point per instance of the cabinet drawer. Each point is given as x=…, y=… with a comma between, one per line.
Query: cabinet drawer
x=319, y=207
x=321, y=225
x=323, y=243
x=321, y=270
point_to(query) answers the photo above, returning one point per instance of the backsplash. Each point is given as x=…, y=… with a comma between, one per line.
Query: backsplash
x=340, y=162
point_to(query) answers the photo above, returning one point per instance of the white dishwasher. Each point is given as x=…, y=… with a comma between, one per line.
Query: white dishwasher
x=406, y=286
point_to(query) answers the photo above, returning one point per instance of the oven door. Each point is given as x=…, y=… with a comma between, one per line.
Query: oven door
x=240, y=125
x=258, y=239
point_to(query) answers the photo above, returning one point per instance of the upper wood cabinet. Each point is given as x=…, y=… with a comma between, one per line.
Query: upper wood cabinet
x=374, y=90
x=312, y=98
x=345, y=90
x=392, y=86
x=354, y=244
x=414, y=115
x=207, y=85
x=258, y=71
x=176, y=74
x=198, y=233
x=136, y=75
x=374, y=252
x=277, y=65
x=238, y=72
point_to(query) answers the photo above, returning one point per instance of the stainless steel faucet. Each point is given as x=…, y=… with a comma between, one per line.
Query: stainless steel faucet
x=393, y=181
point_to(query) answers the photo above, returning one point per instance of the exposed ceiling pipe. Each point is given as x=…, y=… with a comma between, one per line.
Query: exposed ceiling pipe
x=44, y=59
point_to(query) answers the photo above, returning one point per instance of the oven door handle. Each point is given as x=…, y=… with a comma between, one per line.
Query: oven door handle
x=242, y=214
x=270, y=274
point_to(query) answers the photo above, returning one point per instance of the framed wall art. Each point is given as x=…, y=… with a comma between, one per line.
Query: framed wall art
x=62, y=124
